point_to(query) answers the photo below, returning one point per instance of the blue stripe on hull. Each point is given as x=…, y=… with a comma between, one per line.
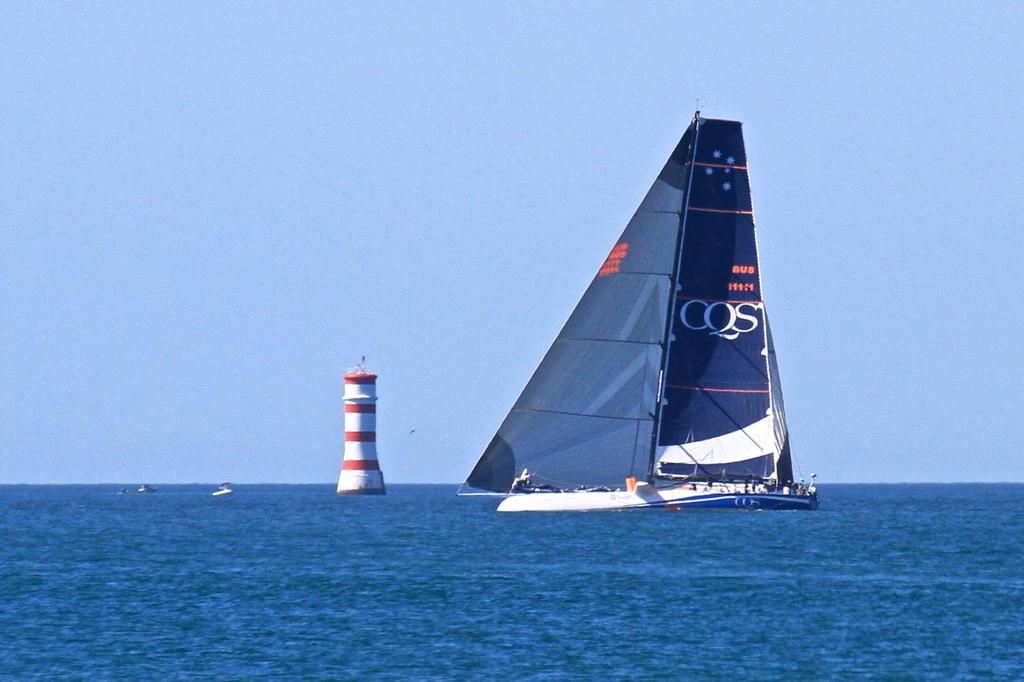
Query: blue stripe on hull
x=752, y=502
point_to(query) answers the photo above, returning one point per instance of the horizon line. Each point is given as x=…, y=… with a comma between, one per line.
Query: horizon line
x=333, y=483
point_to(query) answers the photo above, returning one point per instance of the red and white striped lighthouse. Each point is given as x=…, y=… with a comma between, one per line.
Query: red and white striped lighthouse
x=360, y=472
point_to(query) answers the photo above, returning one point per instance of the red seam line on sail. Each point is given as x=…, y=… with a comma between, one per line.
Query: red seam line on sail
x=360, y=465
x=718, y=165
x=719, y=210
x=716, y=300
x=719, y=390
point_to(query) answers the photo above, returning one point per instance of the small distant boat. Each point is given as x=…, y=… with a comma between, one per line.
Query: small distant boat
x=124, y=491
x=223, y=489
x=144, y=488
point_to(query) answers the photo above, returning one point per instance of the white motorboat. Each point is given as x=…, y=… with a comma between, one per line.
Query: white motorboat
x=223, y=489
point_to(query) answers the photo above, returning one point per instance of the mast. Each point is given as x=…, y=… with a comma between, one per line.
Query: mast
x=673, y=290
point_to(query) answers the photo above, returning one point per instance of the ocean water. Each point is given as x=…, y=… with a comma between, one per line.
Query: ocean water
x=900, y=581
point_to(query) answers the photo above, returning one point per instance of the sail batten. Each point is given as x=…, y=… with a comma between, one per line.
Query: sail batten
x=575, y=414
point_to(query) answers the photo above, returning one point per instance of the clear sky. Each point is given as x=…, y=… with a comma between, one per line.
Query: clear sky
x=209, y=211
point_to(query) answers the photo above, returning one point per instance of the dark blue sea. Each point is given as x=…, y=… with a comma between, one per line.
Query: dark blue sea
x=900, y=581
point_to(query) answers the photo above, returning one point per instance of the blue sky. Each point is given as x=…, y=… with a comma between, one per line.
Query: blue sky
x=209, y=211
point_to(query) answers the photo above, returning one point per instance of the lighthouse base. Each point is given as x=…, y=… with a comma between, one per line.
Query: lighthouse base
x=356, y=482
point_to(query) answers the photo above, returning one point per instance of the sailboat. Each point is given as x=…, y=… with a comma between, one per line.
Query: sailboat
x=662, y=390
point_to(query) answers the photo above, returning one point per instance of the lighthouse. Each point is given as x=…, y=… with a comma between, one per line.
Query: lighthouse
x=360, y=472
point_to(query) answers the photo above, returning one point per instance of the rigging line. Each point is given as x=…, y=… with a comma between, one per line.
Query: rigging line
x=742, y=429
x=564, y=485
x=763, y=371
x=640, y=305
x=793, y=463
x=750, y=361
x=693, y=459
x=736, y=349
x=696, y=465
x=616, y=383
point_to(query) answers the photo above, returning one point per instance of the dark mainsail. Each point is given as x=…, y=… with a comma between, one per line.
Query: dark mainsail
x=684, y=276
x=717, y=420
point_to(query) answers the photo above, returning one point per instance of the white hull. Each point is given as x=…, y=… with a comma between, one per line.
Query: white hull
x=717, y=496
x=218, y=493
